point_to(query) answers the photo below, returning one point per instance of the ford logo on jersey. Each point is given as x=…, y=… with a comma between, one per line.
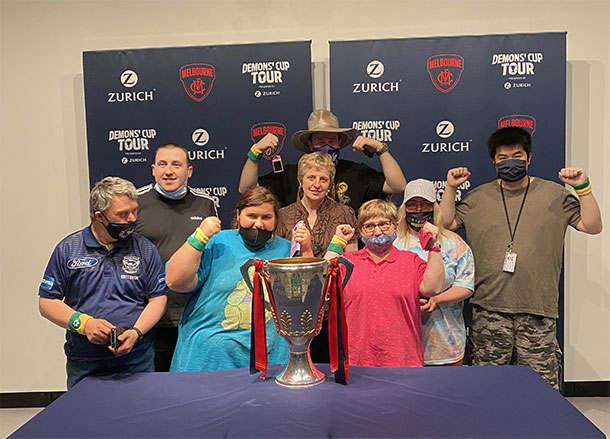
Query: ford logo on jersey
x=76, y=263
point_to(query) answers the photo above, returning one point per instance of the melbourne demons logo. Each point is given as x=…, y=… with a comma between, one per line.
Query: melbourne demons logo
x=528, y=123
x=260, y=130
x=197, y=80
x=445, y=71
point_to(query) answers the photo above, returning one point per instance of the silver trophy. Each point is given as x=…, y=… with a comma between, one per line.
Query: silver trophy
x=297, y=290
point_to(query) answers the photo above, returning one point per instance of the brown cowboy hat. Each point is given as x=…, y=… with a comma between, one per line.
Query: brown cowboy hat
x=322, y=121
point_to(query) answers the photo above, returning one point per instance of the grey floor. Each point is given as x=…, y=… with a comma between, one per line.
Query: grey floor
x=597, y=410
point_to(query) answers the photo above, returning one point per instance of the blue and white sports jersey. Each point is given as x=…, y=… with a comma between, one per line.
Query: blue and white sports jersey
x=113, y=285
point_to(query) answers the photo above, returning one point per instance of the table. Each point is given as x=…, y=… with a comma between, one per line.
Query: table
x=433, y=402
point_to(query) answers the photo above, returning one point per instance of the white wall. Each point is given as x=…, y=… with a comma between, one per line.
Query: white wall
x=43, y=161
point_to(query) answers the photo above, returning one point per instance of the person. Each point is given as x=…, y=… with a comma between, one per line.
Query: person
x=321, y=215
x=443, y=322
x=382, y=308
x=355, y=183
x=214, y=332
x=169, y=211
x=104, y=277
x=516, y=226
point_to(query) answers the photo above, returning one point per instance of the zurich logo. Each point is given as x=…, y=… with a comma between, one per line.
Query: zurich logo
x=76, y=263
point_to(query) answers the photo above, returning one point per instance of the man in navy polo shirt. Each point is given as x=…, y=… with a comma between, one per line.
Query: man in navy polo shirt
x=104, y=277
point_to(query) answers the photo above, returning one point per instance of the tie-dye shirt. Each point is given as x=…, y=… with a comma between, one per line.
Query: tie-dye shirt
x=443, y=330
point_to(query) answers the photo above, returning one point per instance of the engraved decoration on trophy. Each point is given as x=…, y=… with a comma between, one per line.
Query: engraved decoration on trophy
x=297, y=292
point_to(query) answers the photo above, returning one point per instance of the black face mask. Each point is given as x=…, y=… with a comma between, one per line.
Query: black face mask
x=119, y=230
x=511, y=170
x=254, y=237
x=416, y=220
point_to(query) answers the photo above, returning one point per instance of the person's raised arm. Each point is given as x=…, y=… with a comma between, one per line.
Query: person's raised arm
x=249, y=173
x=590, y=215
x=181, y=271
x=395, y=181
x=455, y=177
x=343, y=234
x=303, y=237
x=434, y=276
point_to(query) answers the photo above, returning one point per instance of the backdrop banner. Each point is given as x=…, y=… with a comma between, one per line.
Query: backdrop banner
x=213, y=100
x=435, y=101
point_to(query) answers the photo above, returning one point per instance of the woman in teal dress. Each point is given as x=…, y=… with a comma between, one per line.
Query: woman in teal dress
x=214, y=332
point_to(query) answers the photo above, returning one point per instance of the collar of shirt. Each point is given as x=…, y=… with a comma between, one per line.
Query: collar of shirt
x=90, y=240
x=325, y=205
x=389, y=259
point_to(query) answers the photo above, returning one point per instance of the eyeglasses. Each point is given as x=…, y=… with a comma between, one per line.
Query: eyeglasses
x=424, y=206
x=384, y=226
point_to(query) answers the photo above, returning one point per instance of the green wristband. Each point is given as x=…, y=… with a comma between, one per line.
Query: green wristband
x=74, y=322
x=582, y=185
x=253, y=157
x=332, y=247
x=195, y=243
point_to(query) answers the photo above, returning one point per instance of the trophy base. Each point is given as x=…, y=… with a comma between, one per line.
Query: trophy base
x=300, y=372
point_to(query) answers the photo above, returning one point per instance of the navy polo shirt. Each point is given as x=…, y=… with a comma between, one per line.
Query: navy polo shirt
x=113, y=285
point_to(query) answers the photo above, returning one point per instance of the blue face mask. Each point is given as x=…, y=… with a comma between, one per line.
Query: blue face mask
x=178, y=193
x=379, y=244
x=327, y=149
x=511, y=170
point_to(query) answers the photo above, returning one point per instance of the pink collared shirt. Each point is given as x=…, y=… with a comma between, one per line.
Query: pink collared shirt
x=382, y=310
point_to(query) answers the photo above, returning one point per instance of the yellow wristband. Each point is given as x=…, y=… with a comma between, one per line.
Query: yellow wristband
x=84, y=318
x=201, y=236
x=255, y=150
x=339, y=241
x=585, y=191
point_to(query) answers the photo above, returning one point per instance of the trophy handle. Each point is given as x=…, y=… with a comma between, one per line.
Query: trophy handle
x=349, y=267
x=244, y=272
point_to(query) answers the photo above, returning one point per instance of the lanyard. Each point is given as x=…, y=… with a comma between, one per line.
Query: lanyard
x=510, y=229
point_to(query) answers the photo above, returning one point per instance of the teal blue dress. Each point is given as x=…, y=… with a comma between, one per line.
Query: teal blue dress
x=214, y=332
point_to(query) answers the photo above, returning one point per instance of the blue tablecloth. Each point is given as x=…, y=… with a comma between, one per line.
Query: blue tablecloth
x=466, y=402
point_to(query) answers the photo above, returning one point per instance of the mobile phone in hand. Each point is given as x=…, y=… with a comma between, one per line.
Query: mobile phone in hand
x=114, y=333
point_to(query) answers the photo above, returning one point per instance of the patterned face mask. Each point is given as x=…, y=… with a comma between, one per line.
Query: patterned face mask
x=379, y=244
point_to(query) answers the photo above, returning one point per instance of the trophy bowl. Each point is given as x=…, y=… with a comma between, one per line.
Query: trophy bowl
x=296, y=288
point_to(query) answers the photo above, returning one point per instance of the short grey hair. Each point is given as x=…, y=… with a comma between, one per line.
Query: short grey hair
x=104, y=190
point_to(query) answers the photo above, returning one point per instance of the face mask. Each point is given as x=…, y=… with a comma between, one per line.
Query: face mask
x=379, y=244
x=254, y=237
x=178, y=193
x=417, y=219
x=119, y=230
x=327, y=149
x=511, y=170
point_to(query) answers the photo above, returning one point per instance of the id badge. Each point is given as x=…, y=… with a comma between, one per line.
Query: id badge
x=277, y=165
x=510, y=261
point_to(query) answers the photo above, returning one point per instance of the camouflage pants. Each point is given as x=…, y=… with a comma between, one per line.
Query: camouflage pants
x=498, y=338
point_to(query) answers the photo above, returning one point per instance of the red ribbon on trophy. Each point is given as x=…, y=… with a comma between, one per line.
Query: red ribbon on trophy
x=337, y=326
x=258, y=335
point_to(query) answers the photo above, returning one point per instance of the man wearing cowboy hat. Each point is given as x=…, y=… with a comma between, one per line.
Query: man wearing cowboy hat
x=355, y=183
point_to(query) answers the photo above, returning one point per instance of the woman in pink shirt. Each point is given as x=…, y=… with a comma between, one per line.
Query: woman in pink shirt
x=382, y=296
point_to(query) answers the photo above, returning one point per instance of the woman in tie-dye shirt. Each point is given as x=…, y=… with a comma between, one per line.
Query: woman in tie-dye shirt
x=442, y=320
